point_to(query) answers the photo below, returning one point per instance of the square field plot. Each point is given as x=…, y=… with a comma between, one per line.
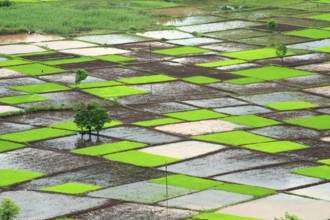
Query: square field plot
x=323, y=49
x=19, y=49
x=7, y=73
x=325, y=17
x=295, y=105
x=324, y=90
x=201, y=79
x=111, y=39
x=310, y=33
x=221, y=63
x=319, y=191
x=64, y=44
x=235, y=138
x=195, y=115
x=40, y=88
x=9, y=177
x=211, y=216
x=72, y=188
x=243, y=110
x=96, y=51
x=147, y=79
x=318, y=172
x=251, y=120
x=115, y=58
x=272, y=73
x=219, y=26
x=276, y=147
x=6, y=145
x=156, y=122
x=15, y=100
x=12, y=62
x=321, y=122
x=256, y=54
x=183, y=150
x=115, y=91
x=194, y=41
x=181, y=51
x=167, y=34
x=36, y=69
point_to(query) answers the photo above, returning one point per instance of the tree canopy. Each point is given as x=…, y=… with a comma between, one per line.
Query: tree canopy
x=8, y=209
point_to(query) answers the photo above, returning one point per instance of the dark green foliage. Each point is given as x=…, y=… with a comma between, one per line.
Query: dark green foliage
x=5, y=3
x=281, y=51
x=272, y=24
x=288, y=216
x=8, y=209
x=80, y=76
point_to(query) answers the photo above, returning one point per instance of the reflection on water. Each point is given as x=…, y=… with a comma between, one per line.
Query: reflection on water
x=24, y=38
x=181, y=11
x=182, y=21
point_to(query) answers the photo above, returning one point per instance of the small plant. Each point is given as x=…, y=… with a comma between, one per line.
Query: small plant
x=272, y=24
x=8, y=209
x=80, y=76
x=281, y=51
x=5, y=3
x=288, y=216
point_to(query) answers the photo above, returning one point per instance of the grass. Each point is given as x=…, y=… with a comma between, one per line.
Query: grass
x=12, y=62
x=181, y=51
x=35, y=134
x=244, y=81
x=310, y=33
x=245, y=189
x=36, y=69
x=321, y=122
x=326, y=161
x=68, y=61
x=114, y=91
x=272, y=73
x=147, y=79
x=322, y=172
x=188, y=182
x=235, y=138
x=251, y=120
x=324, y=17
x=220, y=216
x=98, y=84
x=283, y=106
x=201, y=79
x=115, y=58
x=196, y=115
x=72, y=188
x=10, y=177
x=70, y=125
x=109, y=148
x=6, y=146
x=221, y=63
x=323, y=49
x=40, y=88
x=276, y=147
x=255, y=54
x=157, y=122
x=20, y=99
x=140, y=158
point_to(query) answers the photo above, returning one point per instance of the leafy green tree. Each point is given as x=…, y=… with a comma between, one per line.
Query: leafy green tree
x=272, y=24
x=281, y=51
x=91, y=116
x=8, y=209
x=288, y=216
x=80, y=76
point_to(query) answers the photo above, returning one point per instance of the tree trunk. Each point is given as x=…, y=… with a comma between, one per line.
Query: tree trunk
x=90, y=133
x=282, y=58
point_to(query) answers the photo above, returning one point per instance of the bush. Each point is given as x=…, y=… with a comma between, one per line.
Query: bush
x=8, y=209
x=288, y=216
x=5, y=3
x=272, y=25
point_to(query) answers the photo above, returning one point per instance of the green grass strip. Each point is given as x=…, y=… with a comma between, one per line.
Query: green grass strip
x=322, y=172
x=20, y=99
x=323, y=49
x=12, y=63
x=72, y=188
x=283, y=106
x=70, y=125
x=188, y=182
x=9, y=177
x=115, y=58
x=40, y=88
x=321, y=122
x=109, y=148
x=324, y=17
x=68, y=61
x=196, y=115
x=115, y=91
x=244, y=81
x=220, y=216
x=181, y=51
x=310, y=33
x=221, y=63
x=6, y=146
x=140, y=158
x=35, y=134
x=235, y=138
x=251, y=120
x=147, y=79
x=36, y=69
x=97, y=84
x=326, y=161
x=255, y=54
x=156, y=122
x=245, y=189
x=201, y=79
x=272, y=73
x=276, y=146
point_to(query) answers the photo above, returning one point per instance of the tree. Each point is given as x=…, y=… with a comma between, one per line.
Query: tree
x=272, y=24
x=288, y=216
x=91, y=116
x=80, y=76
x=281, y=51
x=8, y=209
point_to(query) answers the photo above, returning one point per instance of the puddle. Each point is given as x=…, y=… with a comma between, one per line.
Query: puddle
x=319, y=67
x=320, y=191
x=183, y=21
x=236, y=34
x=230, y=47
x=311, y=45
x=324, y=90
x=166, y=34
x=272, y=40
x=8, y=92
x=243, y=110
x=181, y=11
x=307, y=81
x=162, y=108
x=194, y=41
x=64, y=44
x=7, y=73
x=251, y=88
x=146, y=46
x=8, y=127
x=112, y=39
x=19, y=81
x=18, y=49
x=96, y=51
x=26, y=38
x=68, y=78
x=215, y=103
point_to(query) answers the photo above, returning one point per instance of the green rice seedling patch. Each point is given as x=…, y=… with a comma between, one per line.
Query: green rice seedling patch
x=310, y=33
x=12, y=62
x=324, y=17
x=10, y=177
x=235, y=138
x=323, y=49
x=322, y=172
x=245, y=189
x=72, y=188
x=35, y=134
x=196, y=115
x=220, y=216
x=201, y=79
x=5, y=146
x=321, y=122
x=272, y=73
x=221, y=63
x=244, y=81
x=326, y=161
x=181, y=51
x=115, y=58
x=255, y=54
x=70, y=125
x=97, y=84
x=147, y=79
x=40, y=88
x=283, y=106
x=156, y=122
x=36, y=69
x=115, y=91
x=20, y=99
x=109, y=148
x=251, y=120
x=140, y=158
x=69, y=61
x=276, y=146
x=187, y=182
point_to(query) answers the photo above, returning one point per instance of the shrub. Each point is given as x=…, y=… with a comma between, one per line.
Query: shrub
x=8, y=209
x=272, y=24
x=288, y=216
